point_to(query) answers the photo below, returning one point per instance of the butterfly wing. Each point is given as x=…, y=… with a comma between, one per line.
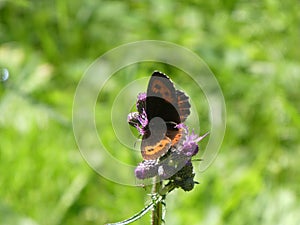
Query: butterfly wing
x=161, y=99
x=183, y=105
x=164, y=101
x=171, y=107
x=155, y=142
x=154, y=148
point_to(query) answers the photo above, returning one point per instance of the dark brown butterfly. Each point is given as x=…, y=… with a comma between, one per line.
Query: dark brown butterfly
x=165, y=107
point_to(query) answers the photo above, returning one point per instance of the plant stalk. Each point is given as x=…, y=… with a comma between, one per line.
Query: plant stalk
x=157, y=209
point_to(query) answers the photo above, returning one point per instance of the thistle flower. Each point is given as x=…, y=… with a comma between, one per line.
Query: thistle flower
x=139, y=119
x=146, y=169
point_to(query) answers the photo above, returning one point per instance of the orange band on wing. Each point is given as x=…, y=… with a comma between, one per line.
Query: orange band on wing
x=176, y=138
x=157, y=150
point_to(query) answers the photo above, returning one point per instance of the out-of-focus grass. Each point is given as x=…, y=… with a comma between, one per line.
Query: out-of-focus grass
x=251, y=48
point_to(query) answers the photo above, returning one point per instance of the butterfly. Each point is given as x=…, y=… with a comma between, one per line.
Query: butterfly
x=166, y=108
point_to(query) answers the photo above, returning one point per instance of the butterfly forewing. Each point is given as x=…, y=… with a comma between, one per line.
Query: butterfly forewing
x=161, y=99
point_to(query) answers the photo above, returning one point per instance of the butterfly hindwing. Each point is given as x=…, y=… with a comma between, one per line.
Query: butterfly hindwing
x=153, y=149
x=155, y=142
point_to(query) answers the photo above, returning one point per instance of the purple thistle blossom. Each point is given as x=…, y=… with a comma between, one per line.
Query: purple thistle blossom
x=181, y=125
x=142, y=96
x=132, y=118
x=190, y=145
x=139, y=119
x=146, y=169
x=143, y=119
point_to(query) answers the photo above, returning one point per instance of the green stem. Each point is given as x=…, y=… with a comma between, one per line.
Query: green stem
x=157, y=209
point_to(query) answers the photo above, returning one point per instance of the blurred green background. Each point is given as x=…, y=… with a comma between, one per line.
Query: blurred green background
x=253, y=50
